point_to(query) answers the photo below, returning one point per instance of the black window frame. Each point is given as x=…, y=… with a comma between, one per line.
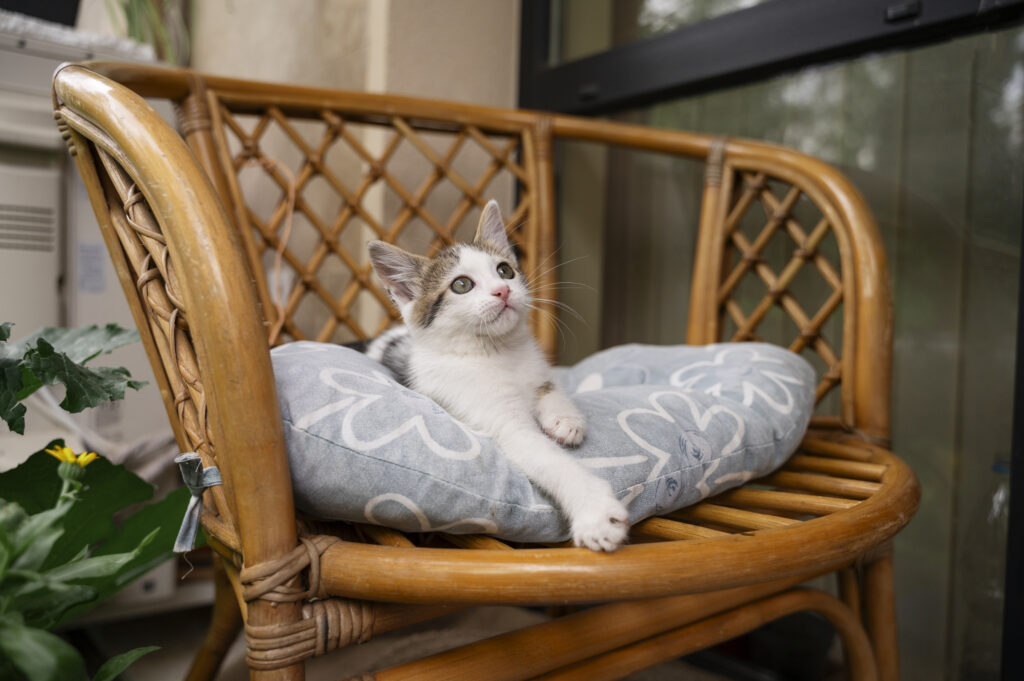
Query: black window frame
x=742, y=46
x=753, y=44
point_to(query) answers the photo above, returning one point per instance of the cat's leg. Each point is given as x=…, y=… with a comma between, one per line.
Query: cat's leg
x=597, y=519
x=558, y=416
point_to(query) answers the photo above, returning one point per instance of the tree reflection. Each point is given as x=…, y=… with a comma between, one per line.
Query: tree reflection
x=654, y=17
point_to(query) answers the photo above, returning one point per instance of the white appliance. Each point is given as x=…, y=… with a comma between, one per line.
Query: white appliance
x=54, y=269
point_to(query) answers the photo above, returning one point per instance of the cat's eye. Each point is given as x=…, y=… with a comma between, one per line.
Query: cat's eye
x=462, y=285
x=505, y=271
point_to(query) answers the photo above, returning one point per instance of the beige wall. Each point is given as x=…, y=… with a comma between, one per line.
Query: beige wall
x=461, y=50
x=94, y=18
x=466, y=50
x=454, y=49
x=321, y=42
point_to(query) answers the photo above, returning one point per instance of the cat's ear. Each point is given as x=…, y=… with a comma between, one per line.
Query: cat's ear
x=399, y=270
x=491, y=229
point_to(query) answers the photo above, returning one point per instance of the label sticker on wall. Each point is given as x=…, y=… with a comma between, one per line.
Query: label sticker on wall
x=92, y=261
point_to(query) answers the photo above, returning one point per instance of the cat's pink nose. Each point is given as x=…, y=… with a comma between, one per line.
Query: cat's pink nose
x=501, y=292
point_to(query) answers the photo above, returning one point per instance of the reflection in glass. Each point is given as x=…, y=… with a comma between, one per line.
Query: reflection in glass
x=591, y=26
x=654, y=17
x=933, y=138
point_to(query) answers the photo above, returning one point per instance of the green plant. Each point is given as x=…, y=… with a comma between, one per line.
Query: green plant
x=60, y=550
x=51, y=356
x=159, y=23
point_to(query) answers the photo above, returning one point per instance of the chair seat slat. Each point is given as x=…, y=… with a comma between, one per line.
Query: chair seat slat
x=857, y=470
x=784, y=501
x=385, y=536
x=824, y=484
x=672, y=530
x=732, y=517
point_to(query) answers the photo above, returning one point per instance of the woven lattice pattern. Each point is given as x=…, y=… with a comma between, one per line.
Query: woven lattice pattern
x=781, y=278
x=144, y=249
x=312, y=187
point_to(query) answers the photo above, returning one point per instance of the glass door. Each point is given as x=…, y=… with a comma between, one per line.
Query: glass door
x=933, y=137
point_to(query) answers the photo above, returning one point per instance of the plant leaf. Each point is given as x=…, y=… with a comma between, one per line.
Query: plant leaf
x=108, y=489
x=37, y=527
x=33, y=484
x=166, y=515
x=33, y=556
x=54, y=355
x=115, y=665
x=79, y=344
x=85, y=387
x=43, y=602
x=12, y=516
x=147, y=535
x=97, y=566
x=11, y=410
x=5, y=556
x=39, y=655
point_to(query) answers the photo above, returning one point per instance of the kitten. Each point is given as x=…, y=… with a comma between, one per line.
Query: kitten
x=467, y=345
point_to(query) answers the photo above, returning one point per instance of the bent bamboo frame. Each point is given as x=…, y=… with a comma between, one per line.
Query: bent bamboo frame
x=232, y=356
x=418, y=575
x=832, y=507
x=866, y=374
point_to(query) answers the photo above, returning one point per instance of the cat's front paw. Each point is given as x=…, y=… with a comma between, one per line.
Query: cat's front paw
x=603, y=526
x=567, y=429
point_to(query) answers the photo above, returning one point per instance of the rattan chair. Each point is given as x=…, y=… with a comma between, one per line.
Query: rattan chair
x=190, y=248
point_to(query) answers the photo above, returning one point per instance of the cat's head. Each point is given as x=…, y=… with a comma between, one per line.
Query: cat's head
x=472, y=289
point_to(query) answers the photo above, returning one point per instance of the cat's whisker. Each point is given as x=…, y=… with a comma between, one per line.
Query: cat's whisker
x=566, y=308
x=549, y=256
x=560, y=324
x=561, y=306
x=563, y=285
x=557, y=283
x=538, y=273
x=563, y=330
x=557, y=316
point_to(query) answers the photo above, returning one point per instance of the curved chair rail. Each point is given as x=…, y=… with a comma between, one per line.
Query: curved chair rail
x=176, y=225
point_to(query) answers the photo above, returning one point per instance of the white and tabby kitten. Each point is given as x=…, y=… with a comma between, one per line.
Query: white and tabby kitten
x=466, y=344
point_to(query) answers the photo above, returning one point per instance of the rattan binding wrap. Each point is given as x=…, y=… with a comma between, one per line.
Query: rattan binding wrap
x=144, y=251
x=327, y=623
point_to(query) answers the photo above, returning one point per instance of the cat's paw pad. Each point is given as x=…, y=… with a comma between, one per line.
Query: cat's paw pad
x=603, y=527
x=565, y=429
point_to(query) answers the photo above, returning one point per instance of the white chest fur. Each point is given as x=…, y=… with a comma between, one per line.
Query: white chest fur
x=487, y=391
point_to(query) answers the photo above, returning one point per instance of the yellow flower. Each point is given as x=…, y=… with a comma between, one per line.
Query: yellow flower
x=62, y=453
x=65, y=454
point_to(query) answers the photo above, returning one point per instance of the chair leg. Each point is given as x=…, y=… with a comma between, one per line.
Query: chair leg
x=224, y=628
x=880, y=616
x=849, y=589
x=296, y=672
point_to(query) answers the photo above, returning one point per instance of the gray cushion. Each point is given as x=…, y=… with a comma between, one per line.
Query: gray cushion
x=666, y=426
